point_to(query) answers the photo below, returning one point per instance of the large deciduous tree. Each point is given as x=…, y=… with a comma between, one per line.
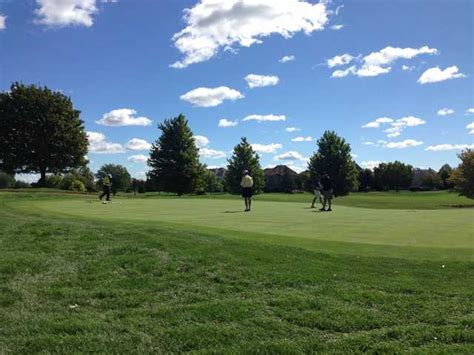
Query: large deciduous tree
x=444, y=173
x=40, y=132
x=463, y=176
x=334, y=158
x=174, y=158
x=244, y=158
x=395, y=176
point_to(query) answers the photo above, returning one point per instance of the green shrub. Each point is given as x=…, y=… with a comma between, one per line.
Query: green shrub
x=6, y=180
x=21, y=185
x=54, y=181
x=78, y=185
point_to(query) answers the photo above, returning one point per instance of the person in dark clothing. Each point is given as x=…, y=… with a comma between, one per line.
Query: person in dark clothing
x=326, y=182
x=106, y=184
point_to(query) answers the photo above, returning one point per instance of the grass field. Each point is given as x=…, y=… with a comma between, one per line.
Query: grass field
x=384, y=273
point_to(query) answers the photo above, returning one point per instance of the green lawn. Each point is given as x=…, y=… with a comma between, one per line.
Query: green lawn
x=198, y=275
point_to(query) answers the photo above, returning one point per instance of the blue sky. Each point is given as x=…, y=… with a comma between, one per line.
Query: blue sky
x=392, y=77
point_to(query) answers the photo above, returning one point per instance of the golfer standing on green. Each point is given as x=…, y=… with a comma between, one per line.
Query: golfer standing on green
x=106, y=187
x=247, y=184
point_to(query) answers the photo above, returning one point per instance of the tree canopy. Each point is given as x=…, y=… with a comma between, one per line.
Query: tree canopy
x=244, y=158
x=174, y=158
x=121, y=180
x=40, y=132
x=463, y=176
x=395, y=175
x=334, y=158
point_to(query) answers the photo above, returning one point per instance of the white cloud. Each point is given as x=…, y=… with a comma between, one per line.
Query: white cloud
x=470, y=127
x=266, y=148
x=258, y=81
x=262, y=118
x=211, y=153
x=98, y=144
x=211, y=97
x=3, y=22
x=138, y=144
x=470, y=111
x=140, y=175
x=435, y=75
x=63, y=13
x=292, y=129
x=214, y=24
x=290, y=155
x=201, y=141
x=407, y=143
x=227, y=123
x=139, y=158
x=287, y=58
x=396, y=126
x=302, y=139
x=444, y=147
x=378, y=122
x=337, y=27
x=445, y=111
x=123, y=117
x=371, y=164
x=339, y=60
x=408, y=67
x=378, y=63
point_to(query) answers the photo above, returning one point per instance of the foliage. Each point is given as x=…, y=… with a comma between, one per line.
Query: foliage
x=6, y=180
x=78, y=186
x=303, y=182
x=121, y=179
x=431, y=180
x=444, y=173
x=174, y=158
x=211, y=183
x=40, y=132
x=393, y=176
x=244, y=158
x=54, y=182
x=138, y=186
x=463, y=176
x=334, y=158
x=366, y=180
x=21, y=184
x=85, y=175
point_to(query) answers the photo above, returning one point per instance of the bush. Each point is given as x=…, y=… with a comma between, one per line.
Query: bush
x=21, y=185
x=53, y=181
x=6, y=180
x=78, y=185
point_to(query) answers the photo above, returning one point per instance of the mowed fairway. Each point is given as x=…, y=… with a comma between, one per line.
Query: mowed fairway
x=173, y=275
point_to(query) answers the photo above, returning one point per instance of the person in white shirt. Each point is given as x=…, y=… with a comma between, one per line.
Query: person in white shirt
x=247, y=184
x=317, y=195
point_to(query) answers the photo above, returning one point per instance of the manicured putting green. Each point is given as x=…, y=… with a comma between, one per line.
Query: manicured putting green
x=294, y=223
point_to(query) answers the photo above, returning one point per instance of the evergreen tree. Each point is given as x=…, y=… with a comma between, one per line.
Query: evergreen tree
x=174, y=158
x=334, y=158
x=40, y=132
x=244, y=158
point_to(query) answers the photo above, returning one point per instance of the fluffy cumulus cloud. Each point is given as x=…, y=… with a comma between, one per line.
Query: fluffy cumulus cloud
x=470, y=111
x=3, y=22
x=138, y=144
x=435, y=75
x=287, y=58
x=212, y=25
x=266, y=148
x=223, y=123
x=339, y=60
x=263, y=118
x=396, y=127
x=258, y=81
x=139, y=158
x=375, y=63
x=123, y=117
x=61, y=13
x=98, y=144
x=292, y=129
x=470, y=128
x=211, y=153
x=290, y=155
x=201, y=141
x=211, y=97
x=407, y=143
x=445, y=111
x=370, y=164
x=445, y=147
x=302, y=139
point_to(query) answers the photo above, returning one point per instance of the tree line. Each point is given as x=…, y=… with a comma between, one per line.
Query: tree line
x=41, y=132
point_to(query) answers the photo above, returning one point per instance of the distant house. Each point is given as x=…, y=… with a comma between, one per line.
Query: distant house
x=280, y=179
x=219, y=173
